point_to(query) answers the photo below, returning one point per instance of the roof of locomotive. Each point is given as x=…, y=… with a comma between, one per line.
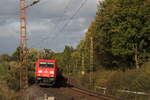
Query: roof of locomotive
x=41, y=60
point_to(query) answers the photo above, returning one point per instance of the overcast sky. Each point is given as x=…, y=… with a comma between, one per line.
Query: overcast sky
x=45, y=23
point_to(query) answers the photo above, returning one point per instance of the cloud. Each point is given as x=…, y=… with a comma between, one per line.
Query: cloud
x=8, y=44
x=44, y=22
x=9, y=30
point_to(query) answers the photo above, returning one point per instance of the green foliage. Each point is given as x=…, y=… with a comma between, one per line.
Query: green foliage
x=13, y=83
x=3, y=68
x=67, y=60
x=16, y=55
x=9, y=71
x=132, y=80
x=4, y=57
x=9, y=77
x=2, y=95
x=31, y=77
x=120, y=31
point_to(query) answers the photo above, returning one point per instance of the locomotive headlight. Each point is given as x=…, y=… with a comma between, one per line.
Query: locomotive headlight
x=51, y=72
x=40, y=71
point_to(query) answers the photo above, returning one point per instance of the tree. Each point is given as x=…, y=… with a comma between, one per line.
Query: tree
x=67, y=57
x=5, y=57
x=121, y=34
x=16, y=55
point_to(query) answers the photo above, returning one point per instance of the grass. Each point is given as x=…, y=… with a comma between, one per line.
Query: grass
x=101, y=77
x=132, y=80
x=114, y=80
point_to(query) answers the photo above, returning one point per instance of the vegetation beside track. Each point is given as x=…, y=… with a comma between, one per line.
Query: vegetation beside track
x=131, y=80
x=136, y=80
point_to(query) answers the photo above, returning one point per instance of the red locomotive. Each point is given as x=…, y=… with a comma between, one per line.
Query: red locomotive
x=46, y=71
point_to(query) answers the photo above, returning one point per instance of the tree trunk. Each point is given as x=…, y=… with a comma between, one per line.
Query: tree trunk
x=136, y=58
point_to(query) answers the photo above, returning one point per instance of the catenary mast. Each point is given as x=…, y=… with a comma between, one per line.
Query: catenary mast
x=23, y=46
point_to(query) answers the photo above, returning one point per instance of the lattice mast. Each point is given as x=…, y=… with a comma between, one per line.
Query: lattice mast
x=23, y=46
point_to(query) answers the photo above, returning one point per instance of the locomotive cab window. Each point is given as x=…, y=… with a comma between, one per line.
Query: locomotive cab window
x=46, y=64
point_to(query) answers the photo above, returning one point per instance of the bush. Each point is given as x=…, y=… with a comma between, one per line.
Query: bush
x=13, y=83
x=31, y=77
x=2, y=95
x=132, y=80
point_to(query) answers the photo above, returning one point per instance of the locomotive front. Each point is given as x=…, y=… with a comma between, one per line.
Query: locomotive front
x=45, y=72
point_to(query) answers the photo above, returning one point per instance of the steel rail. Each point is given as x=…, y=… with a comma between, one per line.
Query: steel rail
x=95, y=94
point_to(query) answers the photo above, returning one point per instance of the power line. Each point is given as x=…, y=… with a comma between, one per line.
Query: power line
x=33, y=3
x=55, y=27
x=64, y=12
x=72, y=17
x=76, y=12
x=66, y=24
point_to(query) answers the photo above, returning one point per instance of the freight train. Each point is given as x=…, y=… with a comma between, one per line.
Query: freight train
x=45, y=72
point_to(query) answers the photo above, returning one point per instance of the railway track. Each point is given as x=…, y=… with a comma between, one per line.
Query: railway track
x=95, y=94
x=66, y=93
x=78, y=88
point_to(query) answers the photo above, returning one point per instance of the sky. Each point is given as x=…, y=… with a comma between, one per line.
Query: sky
x=48, y=23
